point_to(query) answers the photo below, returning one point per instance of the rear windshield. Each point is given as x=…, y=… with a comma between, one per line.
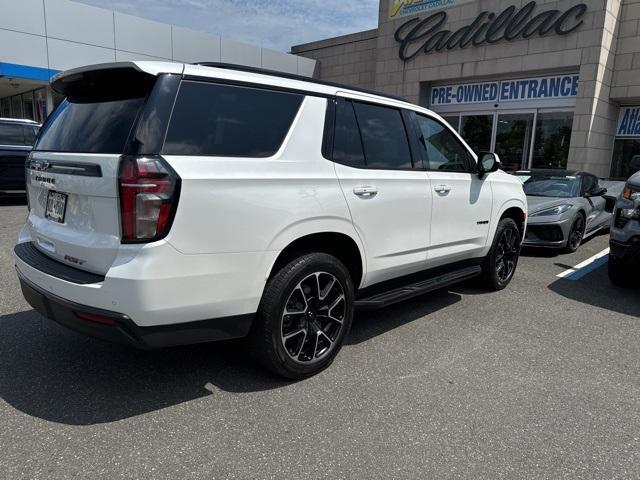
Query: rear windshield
x=229, y=121
x=15, y=134
x=98, y=113
x=100, y=127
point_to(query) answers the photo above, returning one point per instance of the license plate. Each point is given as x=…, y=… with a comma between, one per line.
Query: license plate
x=56, y=206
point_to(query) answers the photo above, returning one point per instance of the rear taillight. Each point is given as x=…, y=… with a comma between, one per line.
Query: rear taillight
x=149, y=190
x=27, y=164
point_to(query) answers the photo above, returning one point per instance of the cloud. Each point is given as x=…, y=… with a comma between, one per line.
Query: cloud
x=276, y=24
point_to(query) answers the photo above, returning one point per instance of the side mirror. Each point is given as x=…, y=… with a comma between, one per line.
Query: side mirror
x=487, y=162
x=598, y=192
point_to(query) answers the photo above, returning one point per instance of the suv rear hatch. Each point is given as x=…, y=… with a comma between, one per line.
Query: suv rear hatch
x=72, y=174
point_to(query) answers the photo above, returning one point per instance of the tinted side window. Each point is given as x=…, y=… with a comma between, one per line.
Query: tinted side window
x=347, y=146
x=443, y=150
x=227, y=120
x=11, y=134
x=383, y=136
x=589, y=184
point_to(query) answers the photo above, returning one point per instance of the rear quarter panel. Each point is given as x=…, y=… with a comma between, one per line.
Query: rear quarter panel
x=234, y=205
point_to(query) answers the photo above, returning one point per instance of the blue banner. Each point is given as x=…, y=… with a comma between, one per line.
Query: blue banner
x=629, y=122
x=518, y=90
x=401, y=8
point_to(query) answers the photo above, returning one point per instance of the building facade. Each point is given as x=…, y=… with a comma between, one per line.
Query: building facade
x=39, y=38
x=546, y=84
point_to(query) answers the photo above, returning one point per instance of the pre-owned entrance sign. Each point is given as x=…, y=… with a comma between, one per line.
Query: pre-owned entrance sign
x=427, y=35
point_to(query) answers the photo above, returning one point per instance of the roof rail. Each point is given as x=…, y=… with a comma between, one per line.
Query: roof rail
x=293, y=76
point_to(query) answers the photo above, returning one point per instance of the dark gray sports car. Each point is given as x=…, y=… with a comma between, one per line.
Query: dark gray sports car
x=566, y=206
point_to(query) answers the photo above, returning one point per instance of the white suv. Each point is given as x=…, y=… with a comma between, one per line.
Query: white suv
x=174, y=204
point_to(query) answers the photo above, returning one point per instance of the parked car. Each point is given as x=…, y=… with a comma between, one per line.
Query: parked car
x=174, y=204
x=624, y=243
x=565, y=207
x=16, y=141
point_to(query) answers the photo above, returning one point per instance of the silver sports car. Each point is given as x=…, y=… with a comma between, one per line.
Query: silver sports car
x=566, y=206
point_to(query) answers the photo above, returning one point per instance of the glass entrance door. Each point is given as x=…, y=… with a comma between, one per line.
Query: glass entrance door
x=513, y=139
x=476, y=130
x=553, y=135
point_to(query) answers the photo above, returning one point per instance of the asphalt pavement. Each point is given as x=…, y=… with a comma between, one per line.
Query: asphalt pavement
x=541, y=380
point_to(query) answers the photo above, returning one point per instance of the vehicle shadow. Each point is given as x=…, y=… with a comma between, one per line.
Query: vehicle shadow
x=52, y=373
x=55, y=374
x=596, y=289
x=13, y=200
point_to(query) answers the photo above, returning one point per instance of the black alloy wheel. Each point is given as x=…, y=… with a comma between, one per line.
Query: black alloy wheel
x=304, y=315
x=576, y=234
x=313, y=318
x=507, y=253
x=500, y=263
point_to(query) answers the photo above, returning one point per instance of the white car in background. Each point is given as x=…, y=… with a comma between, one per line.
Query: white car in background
x=174, y=204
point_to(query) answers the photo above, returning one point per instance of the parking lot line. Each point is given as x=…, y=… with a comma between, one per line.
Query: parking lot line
x=583, y=268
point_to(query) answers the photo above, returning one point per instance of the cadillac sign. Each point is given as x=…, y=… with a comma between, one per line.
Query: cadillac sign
x=428, y=35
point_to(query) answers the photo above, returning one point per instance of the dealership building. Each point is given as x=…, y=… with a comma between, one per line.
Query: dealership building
x=546, y=84
x=39, y=38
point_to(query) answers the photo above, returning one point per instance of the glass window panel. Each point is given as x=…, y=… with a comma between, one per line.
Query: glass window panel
x=5, y=107
x=27, y=106
x=40, y=105
x=443, y=149
x=453, y=120
x=476, y=131
x=626, y=157
x=229, y=121
x=16, y=106
x=553, y=135
x=383, y=137
x=347, y=146
x=513, y=139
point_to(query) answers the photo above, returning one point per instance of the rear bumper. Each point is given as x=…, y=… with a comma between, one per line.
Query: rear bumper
x=119, y=328
x=154, y=284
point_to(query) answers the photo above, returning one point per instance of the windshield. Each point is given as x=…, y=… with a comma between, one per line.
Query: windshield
x=549, y=185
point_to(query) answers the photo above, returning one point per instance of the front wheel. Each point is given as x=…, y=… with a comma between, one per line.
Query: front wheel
x=304, y=315
x=500, y=264
x=576, y=234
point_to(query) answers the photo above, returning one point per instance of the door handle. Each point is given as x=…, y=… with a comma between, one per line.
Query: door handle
x=442, y=188
x=365, y=191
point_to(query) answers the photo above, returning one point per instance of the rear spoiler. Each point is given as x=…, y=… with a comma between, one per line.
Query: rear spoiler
x=106, y=80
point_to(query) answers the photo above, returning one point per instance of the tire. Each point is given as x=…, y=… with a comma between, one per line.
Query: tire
x=576, y=234
x=494, y=276
x=619, y=272
x=304, y=297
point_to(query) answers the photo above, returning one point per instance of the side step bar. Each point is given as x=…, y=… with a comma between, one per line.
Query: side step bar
x=405, y=292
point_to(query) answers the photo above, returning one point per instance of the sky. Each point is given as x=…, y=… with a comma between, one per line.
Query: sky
x=276, y=24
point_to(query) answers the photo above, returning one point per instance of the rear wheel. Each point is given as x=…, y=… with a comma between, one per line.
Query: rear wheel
x=576, y=234
x=304, y=315
x=500, y=264
x=619, y=272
